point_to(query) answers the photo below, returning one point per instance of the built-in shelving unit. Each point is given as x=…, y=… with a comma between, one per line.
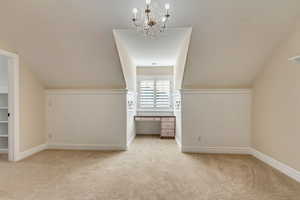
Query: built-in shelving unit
x=3, y=122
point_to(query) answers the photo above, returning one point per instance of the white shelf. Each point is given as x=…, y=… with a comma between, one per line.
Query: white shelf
x=5, y=136
x=3, y=121
x=3, y=90
x=3, y=150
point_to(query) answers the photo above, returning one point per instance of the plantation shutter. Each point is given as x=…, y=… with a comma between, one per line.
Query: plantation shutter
x=154, y=94
x=146, y=94
x=163, y=94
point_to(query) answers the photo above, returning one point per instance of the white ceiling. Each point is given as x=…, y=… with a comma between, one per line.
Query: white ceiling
x=69, y=43
x=162, y=50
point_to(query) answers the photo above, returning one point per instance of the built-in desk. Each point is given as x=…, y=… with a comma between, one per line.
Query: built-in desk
x=168, y=124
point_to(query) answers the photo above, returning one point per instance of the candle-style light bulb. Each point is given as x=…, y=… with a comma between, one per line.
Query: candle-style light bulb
x=148, y=2
x=135, y=10
x=167, y=6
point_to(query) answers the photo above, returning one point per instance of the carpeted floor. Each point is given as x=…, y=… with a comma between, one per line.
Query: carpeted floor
x=152, y=169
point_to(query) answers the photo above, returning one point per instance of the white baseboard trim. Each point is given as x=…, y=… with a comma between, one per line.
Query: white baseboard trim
x=216, y=150
x=178, y=143
x=285, y=169
x=30, y=152
x=86, y=147
x=130, y=141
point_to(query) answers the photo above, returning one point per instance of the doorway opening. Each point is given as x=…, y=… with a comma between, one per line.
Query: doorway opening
x=153, y=70
x=9, y=105
x=155, y=111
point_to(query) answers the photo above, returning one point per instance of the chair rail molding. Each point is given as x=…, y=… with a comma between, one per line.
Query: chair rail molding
x=216, y=91
x=85, y=91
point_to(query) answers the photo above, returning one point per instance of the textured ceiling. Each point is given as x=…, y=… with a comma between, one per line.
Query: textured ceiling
x=69, y=43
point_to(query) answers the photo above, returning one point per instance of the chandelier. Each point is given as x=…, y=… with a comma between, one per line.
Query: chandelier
x=153, y=20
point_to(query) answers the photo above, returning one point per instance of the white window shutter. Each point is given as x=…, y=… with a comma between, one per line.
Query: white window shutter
x=146, y=94
x=155, y=94
x=163, y=100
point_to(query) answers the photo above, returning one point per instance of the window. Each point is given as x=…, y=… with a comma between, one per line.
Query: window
x=163, y=99
x=146, y=94
x=154, y=95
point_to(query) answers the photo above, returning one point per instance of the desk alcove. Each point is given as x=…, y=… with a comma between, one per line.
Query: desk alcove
x=167, y=124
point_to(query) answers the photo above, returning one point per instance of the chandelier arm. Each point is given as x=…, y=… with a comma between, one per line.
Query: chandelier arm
x=151, y=23
x=148, y=16
x=134, y=22
x=147, y=11
x=164, y=26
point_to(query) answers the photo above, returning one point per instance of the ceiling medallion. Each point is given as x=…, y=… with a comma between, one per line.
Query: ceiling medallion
x=153, y=20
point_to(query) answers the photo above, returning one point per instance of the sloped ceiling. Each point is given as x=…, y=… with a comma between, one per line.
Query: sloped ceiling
x=69, y=43
x=167, y=50
x=162, y=50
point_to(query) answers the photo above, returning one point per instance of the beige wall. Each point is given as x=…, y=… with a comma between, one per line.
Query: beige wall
x=127, y=63
x=276, y=109
x=179, y=68
x=32, y=110
x=216, y=119
x=86, y=119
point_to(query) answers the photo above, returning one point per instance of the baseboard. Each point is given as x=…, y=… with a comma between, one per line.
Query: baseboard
x=34, y=150
x=178, y=143
x=30, y=152
x=285, y=169
x=216, y=150
x=130, y=141
x=86, y=147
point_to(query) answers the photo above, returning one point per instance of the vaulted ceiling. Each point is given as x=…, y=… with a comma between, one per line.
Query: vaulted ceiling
x=162, y=50
x=168, y=49
x=69, y=43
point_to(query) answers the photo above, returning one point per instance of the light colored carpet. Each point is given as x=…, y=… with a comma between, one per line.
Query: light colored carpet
x=152, y=169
